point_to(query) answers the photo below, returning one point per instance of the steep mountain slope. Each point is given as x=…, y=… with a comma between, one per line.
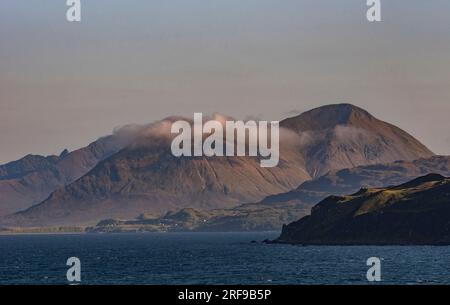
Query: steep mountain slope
x=33, y=178
x=417, y=212
x=144, y=177
x=344, y=136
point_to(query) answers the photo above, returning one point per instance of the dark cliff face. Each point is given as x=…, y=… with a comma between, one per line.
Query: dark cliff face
x=417, y=212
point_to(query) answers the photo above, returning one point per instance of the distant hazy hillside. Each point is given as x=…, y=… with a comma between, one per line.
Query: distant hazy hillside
x=247, y=217
x=33, y=178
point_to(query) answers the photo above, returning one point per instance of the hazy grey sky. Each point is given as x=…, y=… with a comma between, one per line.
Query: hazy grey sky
x=63, y=84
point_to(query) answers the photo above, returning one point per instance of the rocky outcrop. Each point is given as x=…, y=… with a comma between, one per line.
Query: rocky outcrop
x=414, y=213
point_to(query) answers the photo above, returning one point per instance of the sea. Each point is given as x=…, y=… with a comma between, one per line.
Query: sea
x=210, y=258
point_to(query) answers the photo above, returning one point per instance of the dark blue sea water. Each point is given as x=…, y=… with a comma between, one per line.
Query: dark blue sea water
x=209, y=258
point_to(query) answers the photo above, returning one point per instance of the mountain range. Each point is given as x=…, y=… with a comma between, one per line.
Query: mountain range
x=126, y=176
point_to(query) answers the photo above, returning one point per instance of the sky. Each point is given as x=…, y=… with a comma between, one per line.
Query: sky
x=63, y=85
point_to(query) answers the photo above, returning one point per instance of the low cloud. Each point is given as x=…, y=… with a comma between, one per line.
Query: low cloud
x=350, y=133
x=161, y=131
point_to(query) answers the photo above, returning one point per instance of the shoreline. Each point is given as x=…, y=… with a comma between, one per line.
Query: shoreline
x=84, y=230
x=42, y=230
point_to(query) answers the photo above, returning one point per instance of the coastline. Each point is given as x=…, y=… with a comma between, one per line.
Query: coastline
x=42, y=230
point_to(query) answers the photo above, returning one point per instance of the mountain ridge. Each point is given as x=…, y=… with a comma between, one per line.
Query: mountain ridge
x=33, y=178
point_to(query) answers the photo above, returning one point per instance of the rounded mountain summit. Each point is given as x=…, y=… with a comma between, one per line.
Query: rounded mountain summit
x=345, y=136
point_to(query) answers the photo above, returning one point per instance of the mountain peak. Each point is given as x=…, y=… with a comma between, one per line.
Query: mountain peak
x=64, y=153
x=329, y=116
